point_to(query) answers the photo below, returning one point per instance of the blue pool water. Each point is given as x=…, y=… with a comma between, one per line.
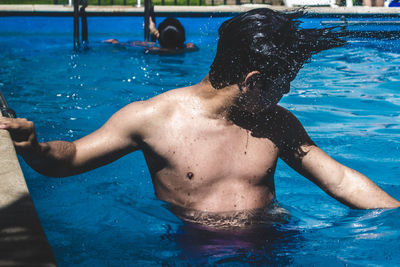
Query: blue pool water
x=347, y=98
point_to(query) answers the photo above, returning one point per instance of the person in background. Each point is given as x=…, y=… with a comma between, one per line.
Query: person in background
x=170, y=35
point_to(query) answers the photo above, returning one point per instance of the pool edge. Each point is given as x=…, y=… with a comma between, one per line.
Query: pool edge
x=192, y=11
x=22, y=239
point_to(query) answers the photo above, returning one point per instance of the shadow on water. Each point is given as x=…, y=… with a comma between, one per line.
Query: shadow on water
x=184, y=243
x=213, y=241
x=268, y=245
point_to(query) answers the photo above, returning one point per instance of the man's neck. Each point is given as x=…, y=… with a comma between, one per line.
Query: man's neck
x=217, y=103
x=224, y=104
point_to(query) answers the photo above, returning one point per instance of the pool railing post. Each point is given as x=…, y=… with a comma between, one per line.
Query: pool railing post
x=5, y=111
x=82, y=13
x=76, y=24
x=147, y=6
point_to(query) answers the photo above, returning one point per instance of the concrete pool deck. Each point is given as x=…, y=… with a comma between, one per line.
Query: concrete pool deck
x=22, y=239
x=63, y=10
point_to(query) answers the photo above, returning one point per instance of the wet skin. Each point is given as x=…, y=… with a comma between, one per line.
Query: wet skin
x=207, y=150
x=212, y=163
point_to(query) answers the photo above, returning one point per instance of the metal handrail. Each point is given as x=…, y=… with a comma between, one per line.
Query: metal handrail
x=147, y=9
x=80, y=13
x=5, y=110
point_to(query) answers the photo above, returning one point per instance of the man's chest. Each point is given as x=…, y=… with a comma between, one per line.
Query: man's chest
x=210, y=154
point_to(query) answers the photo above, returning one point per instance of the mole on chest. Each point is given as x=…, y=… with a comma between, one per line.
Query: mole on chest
x=190, y=175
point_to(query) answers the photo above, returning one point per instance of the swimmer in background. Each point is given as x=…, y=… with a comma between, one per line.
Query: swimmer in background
x=212, y=148
x=170, y=36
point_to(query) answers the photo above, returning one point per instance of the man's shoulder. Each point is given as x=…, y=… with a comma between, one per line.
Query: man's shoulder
x=288, y=131
x=159, y=106
x=279, y=112
x=146, y=117
x=169, y=98
x=279, y=125
x=276, y=117
x=282, y=120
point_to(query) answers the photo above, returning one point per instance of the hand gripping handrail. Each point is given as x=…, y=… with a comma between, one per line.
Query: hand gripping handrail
x=5, y=110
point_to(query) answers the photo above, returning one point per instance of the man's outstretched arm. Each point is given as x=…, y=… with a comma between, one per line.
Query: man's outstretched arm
x=342, y=183
x=114, y=139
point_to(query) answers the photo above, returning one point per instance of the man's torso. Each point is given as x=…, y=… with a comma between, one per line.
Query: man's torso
x=208, y=164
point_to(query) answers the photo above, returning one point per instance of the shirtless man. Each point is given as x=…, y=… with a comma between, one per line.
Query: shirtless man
x=213, y=146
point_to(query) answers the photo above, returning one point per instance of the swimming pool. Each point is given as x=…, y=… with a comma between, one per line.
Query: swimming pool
x=347, y=99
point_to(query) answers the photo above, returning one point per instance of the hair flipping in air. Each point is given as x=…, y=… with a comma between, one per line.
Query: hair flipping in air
x=269, y=42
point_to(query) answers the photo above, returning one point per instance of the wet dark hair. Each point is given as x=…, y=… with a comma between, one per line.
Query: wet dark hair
x=269, y=42
x=172, y=34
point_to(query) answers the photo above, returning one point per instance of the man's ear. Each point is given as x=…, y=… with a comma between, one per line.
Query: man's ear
x=248, y=78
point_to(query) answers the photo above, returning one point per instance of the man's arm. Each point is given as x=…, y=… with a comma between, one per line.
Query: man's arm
x=120, y=135
x=344, y=184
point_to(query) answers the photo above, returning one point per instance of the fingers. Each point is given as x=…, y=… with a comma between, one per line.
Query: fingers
x=4, y=122
x=22, y=133
x=20, y=129
x=15, y=124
